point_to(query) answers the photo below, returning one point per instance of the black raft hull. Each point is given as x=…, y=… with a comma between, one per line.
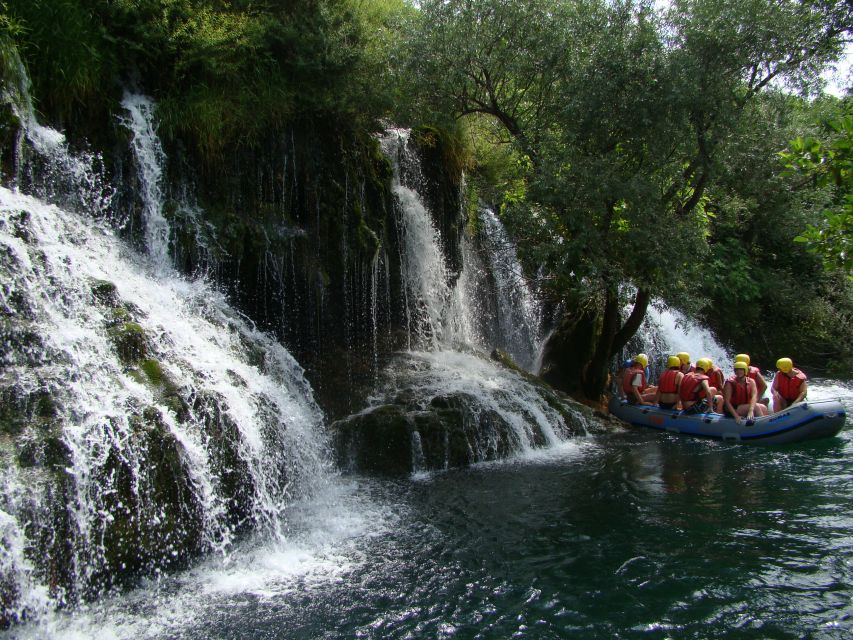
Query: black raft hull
x=803, y=421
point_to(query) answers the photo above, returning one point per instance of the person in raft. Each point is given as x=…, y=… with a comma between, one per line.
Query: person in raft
x=686, y=366
x=620, y=374
x=634, y=382
x=755, y=374
x=695, y=393
x=740, y=395
x=716, y=379
x=669, y=383
x=789, y=385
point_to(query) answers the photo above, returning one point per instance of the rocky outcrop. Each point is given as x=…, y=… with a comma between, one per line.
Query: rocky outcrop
x=412, y=431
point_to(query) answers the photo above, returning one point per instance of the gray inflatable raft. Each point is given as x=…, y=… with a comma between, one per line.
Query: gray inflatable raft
x=803, y=421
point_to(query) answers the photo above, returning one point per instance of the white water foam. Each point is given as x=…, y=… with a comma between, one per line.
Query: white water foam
x=497, y=390
x=680, y=333
x=326, y=544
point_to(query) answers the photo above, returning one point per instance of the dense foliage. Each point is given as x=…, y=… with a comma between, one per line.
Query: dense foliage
x=224, y=72
x=829, y=163
x=640, y=138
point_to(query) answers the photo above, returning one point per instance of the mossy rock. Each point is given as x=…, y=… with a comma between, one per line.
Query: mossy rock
x=44, y=450
x=394, y=439
x=155, y=519
x=234, y=477
x=20, y=222
x=105, y=293
x=21, y=407
x=21, y=341
x=153, y=371
x=375, y=441
x=130, y=342
x=150, y=373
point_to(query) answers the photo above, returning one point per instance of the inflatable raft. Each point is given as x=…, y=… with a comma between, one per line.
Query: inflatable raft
x=803, y=421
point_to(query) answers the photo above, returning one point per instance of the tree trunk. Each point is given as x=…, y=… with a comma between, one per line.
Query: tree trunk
x=577, y=358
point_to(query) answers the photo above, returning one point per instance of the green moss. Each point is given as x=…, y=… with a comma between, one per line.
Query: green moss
x=119, y=315
x=453, y=154
x=153, y=371
x=367, y=239
x=105, y=292
x=130, y=342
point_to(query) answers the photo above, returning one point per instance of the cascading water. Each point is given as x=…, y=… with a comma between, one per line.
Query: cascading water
x=44, y=165
x=666, y=331
x=518, y=314
x=489, y=305
x=150, y=160
x=452, y=322
x=150, y=422
x=426, y=292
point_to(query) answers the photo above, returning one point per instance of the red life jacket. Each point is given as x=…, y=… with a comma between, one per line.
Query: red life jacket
x=691, y=386
x=667, y=382
x=628, y=376
x=741, y=393
x=716, y=379
x=754, y=373
x=789, y=387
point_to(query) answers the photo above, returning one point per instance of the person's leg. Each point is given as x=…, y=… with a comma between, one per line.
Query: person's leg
x=779, y=403
x=718, y=404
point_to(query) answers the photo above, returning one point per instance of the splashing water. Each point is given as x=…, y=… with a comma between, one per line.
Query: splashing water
x=666, y=332
x=156, y=422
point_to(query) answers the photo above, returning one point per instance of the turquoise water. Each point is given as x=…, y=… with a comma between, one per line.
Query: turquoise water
x=633, y=534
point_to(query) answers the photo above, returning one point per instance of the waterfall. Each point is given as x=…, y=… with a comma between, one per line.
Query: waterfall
x=518, y=312
x=666, y=331
x=490, y=304
x=44, y=164
x=150, y=160
x=151, y=422
x=424, y=271
x=454, y=320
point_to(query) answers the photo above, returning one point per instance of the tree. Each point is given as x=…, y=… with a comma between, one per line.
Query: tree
x=828, y=163
x=622, y=113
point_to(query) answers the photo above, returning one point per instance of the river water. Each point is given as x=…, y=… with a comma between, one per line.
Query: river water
x=631, y=534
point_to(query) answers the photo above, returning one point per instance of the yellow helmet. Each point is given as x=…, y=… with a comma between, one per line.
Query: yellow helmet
x=673, y=361
x=741, y=364
x=784, y=365
x=684, y=357
x=742, y=357
x=705, y=364
x=642, y=359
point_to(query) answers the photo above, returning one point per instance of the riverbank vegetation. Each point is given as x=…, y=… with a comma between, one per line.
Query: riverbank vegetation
x=637, y=153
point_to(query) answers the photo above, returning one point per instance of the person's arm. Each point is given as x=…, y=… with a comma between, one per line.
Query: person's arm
x=753, y=398
x=635, y=390
x=802, y=394
x=708, y=396
x=727, y=401
x=762, y=384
